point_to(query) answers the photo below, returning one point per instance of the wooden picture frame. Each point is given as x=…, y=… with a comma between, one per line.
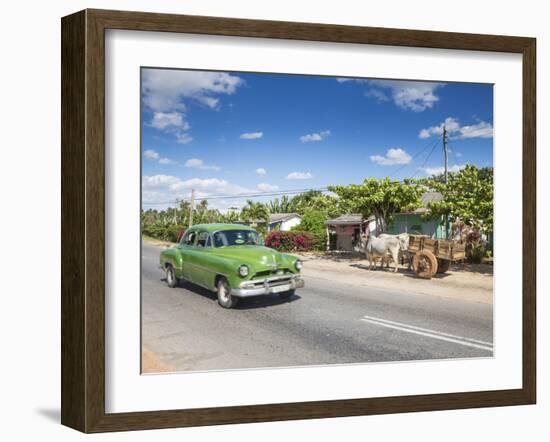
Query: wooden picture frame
x=83, y=220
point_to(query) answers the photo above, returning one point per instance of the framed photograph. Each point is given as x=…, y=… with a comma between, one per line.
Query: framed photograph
x=267, y=221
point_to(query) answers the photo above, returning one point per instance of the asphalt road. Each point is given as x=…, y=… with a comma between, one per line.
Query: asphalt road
x=326, y=322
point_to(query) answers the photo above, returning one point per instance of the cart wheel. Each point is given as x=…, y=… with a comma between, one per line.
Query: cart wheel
x=425, y=264
x=443, y=265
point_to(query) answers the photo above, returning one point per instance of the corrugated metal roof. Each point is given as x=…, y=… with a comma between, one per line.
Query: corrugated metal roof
x=431, y=197
x=279, y=217
x=349, y=218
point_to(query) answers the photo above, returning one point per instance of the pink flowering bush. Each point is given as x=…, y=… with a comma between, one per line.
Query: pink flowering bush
x=289, y=241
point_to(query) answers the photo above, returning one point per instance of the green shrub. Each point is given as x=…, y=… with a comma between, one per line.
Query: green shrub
x=289, y=241
x=313, y=223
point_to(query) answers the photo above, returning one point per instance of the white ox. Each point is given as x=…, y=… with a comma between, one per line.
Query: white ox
x=382, y=247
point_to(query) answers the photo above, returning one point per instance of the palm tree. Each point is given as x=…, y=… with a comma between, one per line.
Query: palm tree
x=284, y=205
x=230, y=217
x=255, y=212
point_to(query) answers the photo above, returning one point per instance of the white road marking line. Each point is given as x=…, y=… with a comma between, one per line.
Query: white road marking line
x=475, y=343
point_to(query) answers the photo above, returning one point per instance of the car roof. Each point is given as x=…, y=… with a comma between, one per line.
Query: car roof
x=219, y=226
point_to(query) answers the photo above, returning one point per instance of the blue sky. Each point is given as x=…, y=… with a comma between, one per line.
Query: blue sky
x=233, y=133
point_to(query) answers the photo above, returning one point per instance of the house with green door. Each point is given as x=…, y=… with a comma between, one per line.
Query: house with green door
x=414, y=221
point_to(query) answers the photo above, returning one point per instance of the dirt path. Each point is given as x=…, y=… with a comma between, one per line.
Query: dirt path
x=151, y=363
x=466, y=282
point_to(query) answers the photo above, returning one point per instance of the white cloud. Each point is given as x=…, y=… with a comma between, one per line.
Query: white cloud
x=458, y=154
x=299, y=176
x=196, y=163
x=411, y=95
x=183, y=138
x=164, y=120
x=164, y=90
x=151, y=154
x=318, y=136
x=265, y=187
x=346, y=80
x=166, y=161
x=156, y=181
x=162, y=191
x=479, y=130
x=458, y=132
x=393, y=156
x=441, y=169
x=260, y=171
x=252, y=135
x=416, y=96
x=378, y=94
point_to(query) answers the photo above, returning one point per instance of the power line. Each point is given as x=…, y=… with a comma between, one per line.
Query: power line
x=431, y=144
x=250, y=195
x=426, y=147
x=427, y=158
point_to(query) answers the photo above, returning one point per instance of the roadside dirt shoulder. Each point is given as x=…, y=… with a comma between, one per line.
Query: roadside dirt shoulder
x=464, y=282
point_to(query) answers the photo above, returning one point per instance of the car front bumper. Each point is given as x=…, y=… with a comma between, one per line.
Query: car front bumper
x=268, y=286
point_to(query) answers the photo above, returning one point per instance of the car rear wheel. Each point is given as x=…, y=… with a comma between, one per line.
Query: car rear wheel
x=225, y=298
x=171, y=279
x=286, y=295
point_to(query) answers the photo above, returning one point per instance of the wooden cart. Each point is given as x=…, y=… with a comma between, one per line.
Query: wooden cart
x=431, y=256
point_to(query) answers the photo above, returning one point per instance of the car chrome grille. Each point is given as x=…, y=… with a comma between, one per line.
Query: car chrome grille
x=265, y=273
x=270, y=283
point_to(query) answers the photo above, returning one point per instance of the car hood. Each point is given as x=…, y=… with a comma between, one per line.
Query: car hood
x=257, y=256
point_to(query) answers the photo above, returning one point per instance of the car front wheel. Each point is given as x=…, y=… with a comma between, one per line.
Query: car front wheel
x=171, y=279
x=225, y=298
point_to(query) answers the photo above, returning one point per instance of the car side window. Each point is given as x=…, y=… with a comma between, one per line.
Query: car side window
x=189, y=239
x=218, y=239
x=202, y=239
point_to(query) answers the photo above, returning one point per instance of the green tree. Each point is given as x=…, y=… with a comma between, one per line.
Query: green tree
x=379, y=197
x=468, y=197
x=284, y=205
x=255, y=212
x=313, y=221
x=230, y=217
x=315, y=199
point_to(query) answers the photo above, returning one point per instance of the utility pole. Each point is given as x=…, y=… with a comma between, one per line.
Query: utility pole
x=446, y=155
x=176, y=212
x=192, y=207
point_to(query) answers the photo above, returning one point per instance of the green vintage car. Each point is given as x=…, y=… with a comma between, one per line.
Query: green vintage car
x=231, y=260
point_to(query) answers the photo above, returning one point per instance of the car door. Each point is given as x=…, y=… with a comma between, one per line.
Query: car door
x=187, y=246
x=201, y=262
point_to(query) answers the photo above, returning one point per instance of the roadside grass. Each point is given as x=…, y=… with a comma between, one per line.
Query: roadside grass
x=156, y=242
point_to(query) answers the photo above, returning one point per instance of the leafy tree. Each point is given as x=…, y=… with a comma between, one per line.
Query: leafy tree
x=467, y=197
x=315, y=199
x=230, y=217
x=379, y=197
x=203, y=215
x=284, y=205
x=313, y=222
x=254, y=212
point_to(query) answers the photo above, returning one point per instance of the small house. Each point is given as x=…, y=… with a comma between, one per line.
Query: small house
x=413, y=221
x=283, y=221
x=344, y=232
x=277, y=221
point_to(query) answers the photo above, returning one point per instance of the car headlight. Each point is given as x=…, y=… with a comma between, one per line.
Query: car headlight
x=243, y=270
x=298, y=264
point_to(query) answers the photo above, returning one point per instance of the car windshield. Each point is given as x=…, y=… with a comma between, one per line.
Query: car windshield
x=236, y=238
